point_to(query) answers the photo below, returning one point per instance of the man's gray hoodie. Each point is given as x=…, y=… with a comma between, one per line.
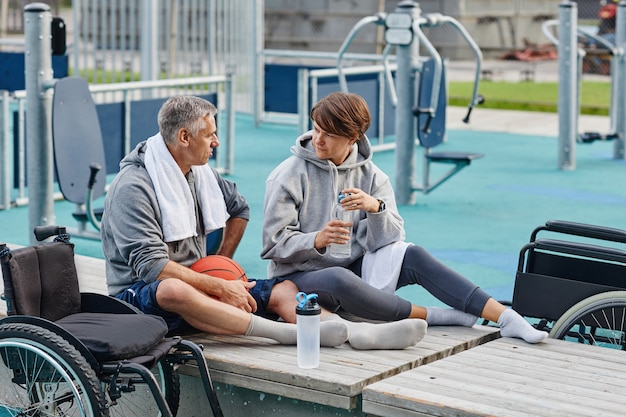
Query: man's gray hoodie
x=132, y=236
x=300, y=196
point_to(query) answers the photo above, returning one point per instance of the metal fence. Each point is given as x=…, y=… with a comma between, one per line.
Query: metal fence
x=114, y=41
x=131, y=40
x=12, y=107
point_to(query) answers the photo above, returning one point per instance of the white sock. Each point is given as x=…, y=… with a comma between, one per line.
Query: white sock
x=513, y=325
x=393, y=335
x=331, y=333
x=437, y=316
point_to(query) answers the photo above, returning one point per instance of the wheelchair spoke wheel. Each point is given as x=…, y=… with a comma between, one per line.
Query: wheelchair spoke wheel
x=597, y=320
x=42, y=374
x=137, y=400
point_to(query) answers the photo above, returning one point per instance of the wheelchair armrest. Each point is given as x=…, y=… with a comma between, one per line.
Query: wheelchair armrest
x=100, y=303
x=582, y=229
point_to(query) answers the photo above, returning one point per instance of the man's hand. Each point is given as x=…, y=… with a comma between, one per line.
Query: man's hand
x=236, y=293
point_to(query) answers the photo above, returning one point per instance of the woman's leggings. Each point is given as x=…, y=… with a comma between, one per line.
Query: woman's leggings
x=339, y=287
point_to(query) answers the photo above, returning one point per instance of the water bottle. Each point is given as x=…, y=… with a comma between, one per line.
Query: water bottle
x=308, y=330
x=343, y=250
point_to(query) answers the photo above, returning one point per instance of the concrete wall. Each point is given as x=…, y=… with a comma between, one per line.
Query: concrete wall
x=498, y=26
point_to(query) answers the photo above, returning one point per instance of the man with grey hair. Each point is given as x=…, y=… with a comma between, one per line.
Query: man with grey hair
x=158, y=212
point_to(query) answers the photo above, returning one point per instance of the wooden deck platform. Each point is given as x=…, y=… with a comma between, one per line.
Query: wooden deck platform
x=454, y=371
x=262, y=365
x=508, y=378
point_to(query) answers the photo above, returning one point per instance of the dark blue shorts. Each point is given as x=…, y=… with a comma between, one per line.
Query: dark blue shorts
x=143, y=296
x=261, y=293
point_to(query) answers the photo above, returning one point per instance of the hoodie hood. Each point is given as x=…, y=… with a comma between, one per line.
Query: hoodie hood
x=304, y=149
x=360, y=154
x=134, y=157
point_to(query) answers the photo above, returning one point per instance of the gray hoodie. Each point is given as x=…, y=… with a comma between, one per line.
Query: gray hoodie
x=300, y=196
x=132, y=237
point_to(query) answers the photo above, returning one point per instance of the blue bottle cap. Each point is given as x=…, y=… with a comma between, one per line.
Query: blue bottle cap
x=307, y=304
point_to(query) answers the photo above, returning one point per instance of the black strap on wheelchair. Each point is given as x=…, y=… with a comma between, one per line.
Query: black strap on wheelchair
x=4, y=251
x=62, y=237
x=7, y=295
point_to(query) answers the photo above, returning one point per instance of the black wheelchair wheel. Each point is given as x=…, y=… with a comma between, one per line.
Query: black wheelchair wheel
x=597, y=320
x=139, y=401
x=42, y=374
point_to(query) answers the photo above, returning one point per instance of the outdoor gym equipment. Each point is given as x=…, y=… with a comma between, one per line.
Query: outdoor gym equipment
x=570, y=73
x=421, y=96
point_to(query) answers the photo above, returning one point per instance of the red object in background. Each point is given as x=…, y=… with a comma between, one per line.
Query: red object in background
x=608, y=11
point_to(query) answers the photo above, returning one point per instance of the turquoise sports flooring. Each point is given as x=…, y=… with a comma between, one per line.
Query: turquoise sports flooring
x=476, y=222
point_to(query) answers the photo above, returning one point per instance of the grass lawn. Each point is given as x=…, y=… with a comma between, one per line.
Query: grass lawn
x=531, y=96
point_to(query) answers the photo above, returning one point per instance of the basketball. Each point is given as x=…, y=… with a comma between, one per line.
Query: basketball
x=221, y=267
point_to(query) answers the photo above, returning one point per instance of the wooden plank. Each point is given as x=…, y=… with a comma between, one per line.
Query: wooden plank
x=508, y=378
x=284, y=390
x=256, y=362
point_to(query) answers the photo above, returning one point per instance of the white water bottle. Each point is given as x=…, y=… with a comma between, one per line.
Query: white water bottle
x=342, y=250
x=308, y=330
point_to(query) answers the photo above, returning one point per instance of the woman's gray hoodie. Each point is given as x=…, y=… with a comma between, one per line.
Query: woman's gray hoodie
x=300, y=196
x=132, y=237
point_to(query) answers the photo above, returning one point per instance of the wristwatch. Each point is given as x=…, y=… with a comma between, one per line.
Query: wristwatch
x=381, y=205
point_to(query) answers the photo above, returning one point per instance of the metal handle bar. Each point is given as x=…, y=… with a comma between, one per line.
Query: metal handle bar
x=434, y=96
x=545, y=28
x=388, y=77
x=437, y=18
x=378, y=19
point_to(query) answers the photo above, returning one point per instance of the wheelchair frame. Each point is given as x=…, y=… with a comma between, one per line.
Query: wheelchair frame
x=46, y=370
x=574, y=288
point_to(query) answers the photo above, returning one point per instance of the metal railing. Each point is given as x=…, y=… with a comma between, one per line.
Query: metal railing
x=111, y=93
x=308, y=80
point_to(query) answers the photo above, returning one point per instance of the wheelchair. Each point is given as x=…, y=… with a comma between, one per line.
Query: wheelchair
x=67, y=353
x=574, y=287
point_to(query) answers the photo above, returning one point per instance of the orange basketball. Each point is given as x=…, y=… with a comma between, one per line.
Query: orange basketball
x=221, y=267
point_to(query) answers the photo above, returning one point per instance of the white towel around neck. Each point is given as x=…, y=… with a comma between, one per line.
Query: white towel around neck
x=178, y=214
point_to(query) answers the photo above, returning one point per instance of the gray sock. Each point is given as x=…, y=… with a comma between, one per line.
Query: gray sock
x=331, y=334
x=393, y=335
x=513, y=325
x=437, y=316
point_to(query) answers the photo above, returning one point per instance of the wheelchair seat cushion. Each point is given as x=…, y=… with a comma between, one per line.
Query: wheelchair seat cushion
x=112, y=337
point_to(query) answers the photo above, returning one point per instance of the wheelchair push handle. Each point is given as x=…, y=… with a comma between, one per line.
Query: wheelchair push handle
x=583, y=230
x=44, y=232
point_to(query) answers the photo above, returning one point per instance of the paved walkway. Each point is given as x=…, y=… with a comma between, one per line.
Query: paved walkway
x=511, y=121
x=521, y=122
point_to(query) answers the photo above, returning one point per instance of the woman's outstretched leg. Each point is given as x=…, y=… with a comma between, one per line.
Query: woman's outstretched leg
x=511, y=323
x=450, y=287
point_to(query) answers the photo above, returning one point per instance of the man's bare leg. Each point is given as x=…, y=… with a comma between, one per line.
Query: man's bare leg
x=212, y=316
